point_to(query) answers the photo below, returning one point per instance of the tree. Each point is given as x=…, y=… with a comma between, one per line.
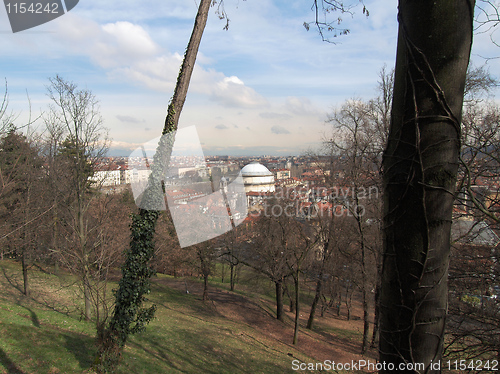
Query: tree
x=301, y=246
x=231, y=244
x=474, y=313
x=169, y=257
x=419, y=173
x=282, y=247
x=206, y=254
x=478, y=193
x=6, y=118
x=473, y=327
x=129, y=316
x=356, y=141
x=330, y=235
x=74, y=116
x=323, y=10
x=21, y=198
x=267, y=254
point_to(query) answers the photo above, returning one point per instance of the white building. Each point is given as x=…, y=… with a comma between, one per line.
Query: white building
x=257, y=178
x=137, y=175
x=106, y=177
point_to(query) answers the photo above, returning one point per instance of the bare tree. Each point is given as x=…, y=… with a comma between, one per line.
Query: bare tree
x=474, y=307
x=6, y=118
x=474, y=312
x=169, y=257
x=267, y=254
x=327, y=25
x=301, y=247
x=206, y=255
x=331, y=235
x=478, y=193
x=232, y=244
x=358, y=133
x=74, y=115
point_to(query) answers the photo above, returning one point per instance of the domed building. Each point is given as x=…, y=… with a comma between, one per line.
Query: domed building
x=257, y=178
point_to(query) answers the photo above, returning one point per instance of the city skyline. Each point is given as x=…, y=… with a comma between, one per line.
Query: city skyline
x=265, y=86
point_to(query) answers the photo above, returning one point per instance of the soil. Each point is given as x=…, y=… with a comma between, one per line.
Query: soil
x=317, y=344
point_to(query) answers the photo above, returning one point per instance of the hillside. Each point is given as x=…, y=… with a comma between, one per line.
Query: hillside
x=232, y=333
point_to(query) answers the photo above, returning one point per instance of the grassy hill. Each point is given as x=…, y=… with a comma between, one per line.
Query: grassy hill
x=232, y=333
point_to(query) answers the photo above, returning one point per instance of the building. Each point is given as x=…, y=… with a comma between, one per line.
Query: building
x=257, y=178
x=137, y=175
x=106, y=178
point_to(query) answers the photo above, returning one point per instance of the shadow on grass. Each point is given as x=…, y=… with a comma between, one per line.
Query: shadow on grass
x=350, y=341
x=43, y=349
x=197, y=350
x=79, y=346
x=14, y=283
x=10, y=281
x=9, y=364
x=34, y=317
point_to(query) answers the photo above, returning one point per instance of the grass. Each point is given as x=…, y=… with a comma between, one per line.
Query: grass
x=45, y=334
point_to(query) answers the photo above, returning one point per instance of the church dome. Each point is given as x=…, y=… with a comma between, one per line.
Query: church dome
x=255, y=170
x=257, y=178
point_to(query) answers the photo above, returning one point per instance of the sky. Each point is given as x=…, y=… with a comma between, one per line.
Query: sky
x=263, y=87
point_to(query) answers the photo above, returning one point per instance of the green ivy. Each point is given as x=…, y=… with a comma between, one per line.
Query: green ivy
x=129, y=316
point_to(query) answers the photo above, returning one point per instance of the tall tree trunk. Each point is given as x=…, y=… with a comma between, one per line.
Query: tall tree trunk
x=205, y=287
x=232, y=275
x=364, y=289
x=364, y=278
x=24, y=265
x=26, y=239
x=316, y=299
x=376, y=317
x=419, y=170
x=366, y=322
x=339, y=302
x=279, y=299
x=348, y=301
x=184, y=77
x=297, y=308
x=136, y=272
x=87, y=294
x=291, y=301
x=55, y=233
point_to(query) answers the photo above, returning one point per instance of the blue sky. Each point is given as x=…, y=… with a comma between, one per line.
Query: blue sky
x=264, y=86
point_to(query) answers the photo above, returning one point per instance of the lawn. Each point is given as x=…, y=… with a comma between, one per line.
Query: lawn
x=45, y=333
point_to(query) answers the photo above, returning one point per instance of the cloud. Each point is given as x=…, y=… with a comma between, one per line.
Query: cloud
x=128, y=40
x=128, y=119
x=123, y=146
x=221, y=127
x=274, y=115
x=279, y=130
x=129, y=54
x=301, y=106
x=232, y=92
x=110, y=45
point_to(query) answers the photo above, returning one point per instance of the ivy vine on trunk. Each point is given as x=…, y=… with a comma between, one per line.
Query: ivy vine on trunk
x=129, y=315
x=420, y=169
